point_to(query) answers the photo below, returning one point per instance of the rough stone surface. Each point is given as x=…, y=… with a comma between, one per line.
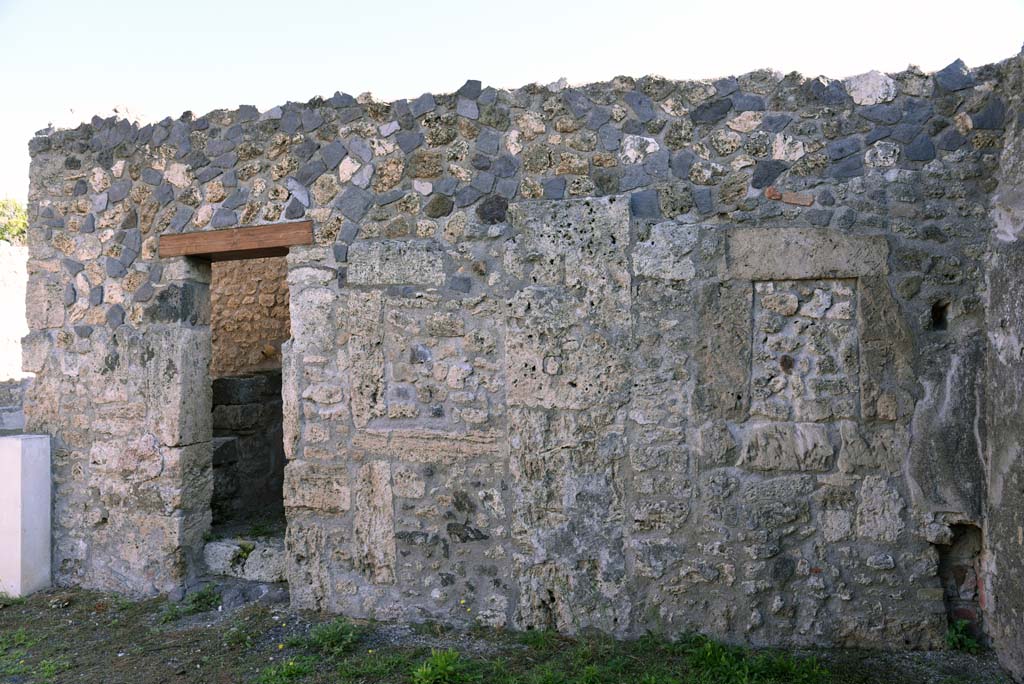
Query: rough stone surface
x=681, y=356
x=249, y=315
x=1003, y=541
x=871, y=88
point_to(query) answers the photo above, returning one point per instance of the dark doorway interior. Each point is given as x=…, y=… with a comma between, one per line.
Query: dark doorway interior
x=249, y=322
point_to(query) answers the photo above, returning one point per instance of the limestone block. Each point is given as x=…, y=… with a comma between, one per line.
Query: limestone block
x=724, y=348
x=805, y=358
x=392, y=262
x=24, y=514
x=870, y=88
x=312, y=313
x=666, y=254
x=266, y=563
x=779, y=501
x=177, y=384
x=374, y=524
x=290, y=412
x=318, y=486
x=45, y=303
x=880, y=513
x=219, y=556
x=787, y=447
x=35, y=348
x=803, y=253
x=262, y=560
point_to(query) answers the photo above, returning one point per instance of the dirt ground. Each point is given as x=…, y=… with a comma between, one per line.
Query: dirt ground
x=83, y=637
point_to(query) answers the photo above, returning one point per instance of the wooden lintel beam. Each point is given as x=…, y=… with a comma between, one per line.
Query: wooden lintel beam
x=249, y=242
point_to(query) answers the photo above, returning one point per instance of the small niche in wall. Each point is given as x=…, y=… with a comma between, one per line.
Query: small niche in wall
x=940, y=315
x=959, y=573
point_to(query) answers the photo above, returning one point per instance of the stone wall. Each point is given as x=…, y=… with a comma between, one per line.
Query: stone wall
x=644, y=354
x=1004, y=531
x=12, y=308
x=248, y=447
x=249, y=315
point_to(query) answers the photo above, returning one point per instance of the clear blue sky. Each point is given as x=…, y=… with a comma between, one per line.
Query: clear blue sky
x=63, y=61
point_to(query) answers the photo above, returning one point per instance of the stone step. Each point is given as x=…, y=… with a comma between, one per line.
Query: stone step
x=256, y=560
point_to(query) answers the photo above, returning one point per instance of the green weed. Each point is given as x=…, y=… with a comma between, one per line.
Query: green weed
x=287, y=671
x=374, y=666
x=14, y=652
x=443, y=667
x=202, y=601
x=336, y=638
x=958, y=637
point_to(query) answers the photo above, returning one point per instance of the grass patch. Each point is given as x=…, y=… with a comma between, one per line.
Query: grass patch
x=336, y=638
x=49, y=668
x=542, y=640
x=202, y=601
x=552, y=659
x=244, y=630
x=14, y=653
x=290, y=670
x=96, y=638
x=715, y=663
x=443, y=667
x=6, y=601
x=374, y=665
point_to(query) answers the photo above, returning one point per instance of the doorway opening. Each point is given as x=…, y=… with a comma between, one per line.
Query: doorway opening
x=249, y=322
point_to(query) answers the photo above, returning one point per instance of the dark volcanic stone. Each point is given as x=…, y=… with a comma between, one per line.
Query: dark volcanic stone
x=775, y=123
x=294, y=209
x=711, y=111
x=554, y=188
x=466, y=196
x=840, y=149
x=333, y=154
x=832, y=94
x=766, y=172
x=645, y=204
x=460, y=284
x=438, y=206
x=847, y=168
x=223, y=218
x=470, y=89
x=744, y=102
x=492, y=210
x=954, y=77
x=640, y=104
x=881, y=113
x=992, y=116
x=950, y=140
x=921, y=149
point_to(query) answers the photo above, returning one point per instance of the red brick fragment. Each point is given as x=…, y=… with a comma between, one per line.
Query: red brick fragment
x=772, y=193
x=802, y=199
